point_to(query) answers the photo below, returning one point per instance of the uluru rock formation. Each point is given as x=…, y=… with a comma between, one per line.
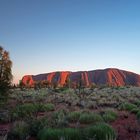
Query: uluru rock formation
x=110, y=76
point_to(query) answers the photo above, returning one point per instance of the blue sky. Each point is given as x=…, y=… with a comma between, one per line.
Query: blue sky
x=53, y=35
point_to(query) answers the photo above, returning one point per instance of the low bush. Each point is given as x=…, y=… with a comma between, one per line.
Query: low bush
x=72, y=134
x=73, y=116
x=101, y=131
x=4, y=116
x=110, y=116
x=58, y=119
x=20, y=130
x=28, y=110
x=50, y=107
x=137, y=103
x=87, y=118
x=23, y=111
x=138, y=115
x=127, y=106
x=36, y=125
x=59, y=134
x=44, y=107
x=135, y=110
x=50, y=134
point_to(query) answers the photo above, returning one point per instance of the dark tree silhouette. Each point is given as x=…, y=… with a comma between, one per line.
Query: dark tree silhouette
x=5, y=71
x=80, y=84
x=68, y=82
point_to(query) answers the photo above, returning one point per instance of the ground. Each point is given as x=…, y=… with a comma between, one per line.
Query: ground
x=90, y=100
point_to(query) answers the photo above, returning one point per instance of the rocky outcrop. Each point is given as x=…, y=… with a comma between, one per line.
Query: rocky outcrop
x=110, y=76
x=27, y=80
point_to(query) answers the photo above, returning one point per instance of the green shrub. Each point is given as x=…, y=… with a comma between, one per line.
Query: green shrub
x=59, y=134
x=72, y=134
x=138, y=115
x=49, y=107
x=109, y=116
x=22, y=111
x=88, y=118
x=36, y=125
x=127, y=106
x=4, y=116
x=135, y=110
x=20, y=130
x=62, y=89
x=73, y=116
x=58, y=119
x=137, y=103
x=27, y=110
x=100, y=131
x=44, y=107
x=50, y=134
x=28, y=107
x=40, y=107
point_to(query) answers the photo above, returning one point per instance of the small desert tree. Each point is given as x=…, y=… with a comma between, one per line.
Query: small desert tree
x=44, y=84
x=80, y=84
x=21, y=85
x=68, y=82
x=5, y=71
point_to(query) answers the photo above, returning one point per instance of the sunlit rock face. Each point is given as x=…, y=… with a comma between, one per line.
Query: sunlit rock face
x=28, y=80
x=110, y=76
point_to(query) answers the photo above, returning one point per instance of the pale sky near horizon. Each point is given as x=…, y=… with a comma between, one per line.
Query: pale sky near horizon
x=53, y=35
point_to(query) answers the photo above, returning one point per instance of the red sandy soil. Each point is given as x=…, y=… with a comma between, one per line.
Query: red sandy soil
x=4, y=129
x=127, y=127
x=32, y=138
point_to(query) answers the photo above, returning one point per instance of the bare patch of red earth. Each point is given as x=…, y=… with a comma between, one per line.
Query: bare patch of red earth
x=4, y=129
x=32, y=138
x=127, y=126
